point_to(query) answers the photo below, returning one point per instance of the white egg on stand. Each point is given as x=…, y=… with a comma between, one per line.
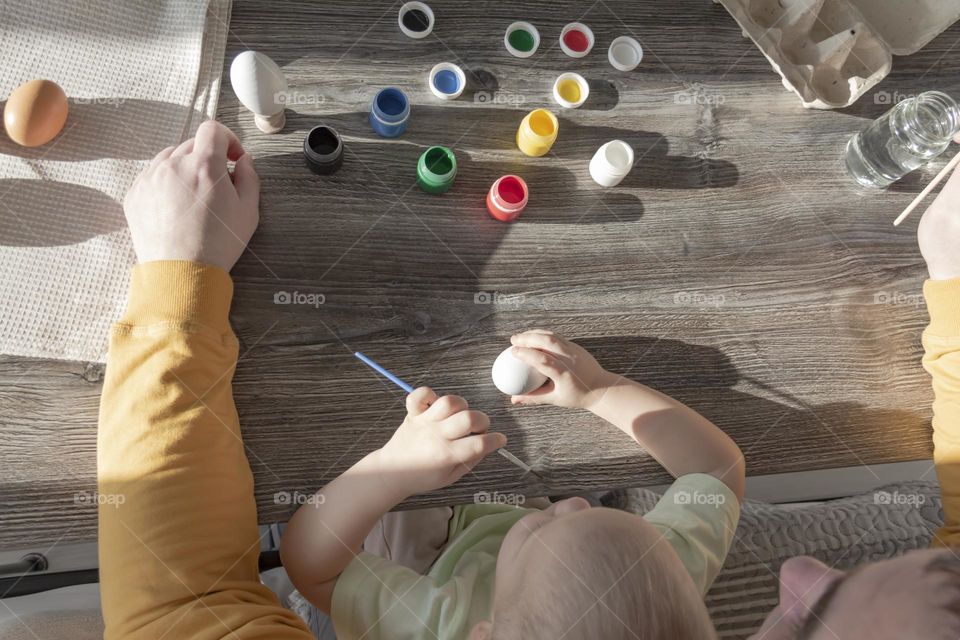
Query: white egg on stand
x=261, y=87
x=515, y=377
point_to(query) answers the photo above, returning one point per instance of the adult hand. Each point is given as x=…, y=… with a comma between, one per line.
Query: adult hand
x=185, y=205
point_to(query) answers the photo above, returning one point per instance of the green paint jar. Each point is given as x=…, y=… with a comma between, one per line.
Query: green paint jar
x=436, y=170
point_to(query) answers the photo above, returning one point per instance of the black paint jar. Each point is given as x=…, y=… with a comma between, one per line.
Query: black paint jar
x=323, y=150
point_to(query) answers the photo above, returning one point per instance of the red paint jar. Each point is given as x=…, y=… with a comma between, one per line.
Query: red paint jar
x=507, y=198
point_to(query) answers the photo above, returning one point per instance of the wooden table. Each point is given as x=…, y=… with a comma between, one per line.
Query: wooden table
x=737, y=268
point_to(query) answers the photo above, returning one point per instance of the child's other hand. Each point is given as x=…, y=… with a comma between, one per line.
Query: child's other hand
x=185, y=206
x=440, y=440
x=939, y=232
x=576, y=380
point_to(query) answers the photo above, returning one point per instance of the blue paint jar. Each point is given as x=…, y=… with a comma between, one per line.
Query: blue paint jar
x=390, y=112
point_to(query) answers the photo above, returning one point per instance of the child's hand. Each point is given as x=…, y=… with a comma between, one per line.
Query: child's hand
x=576, y=379
x=185, y=206
x=438, y=443
x=939, y=232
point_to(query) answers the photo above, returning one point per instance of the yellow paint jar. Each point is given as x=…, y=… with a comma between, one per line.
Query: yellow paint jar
x=537, y=132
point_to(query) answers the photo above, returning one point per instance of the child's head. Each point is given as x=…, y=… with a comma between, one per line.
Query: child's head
x=575, y=572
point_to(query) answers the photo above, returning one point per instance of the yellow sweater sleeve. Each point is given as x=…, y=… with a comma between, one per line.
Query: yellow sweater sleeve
x=941, y=342
x=178, y=539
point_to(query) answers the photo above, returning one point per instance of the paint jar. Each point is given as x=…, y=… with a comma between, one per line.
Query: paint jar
x=537, y=132
x=447, y=81
x=436, y=170
x=521, y=39
x=507, y=198
x=415, y=19
x=323, y=150
x=625, y=53
x=611, y=163
x=390, y=112
x=905, y=138
x=570, y=90
x=576, y=39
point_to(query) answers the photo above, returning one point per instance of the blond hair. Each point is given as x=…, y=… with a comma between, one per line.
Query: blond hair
x=608, y=587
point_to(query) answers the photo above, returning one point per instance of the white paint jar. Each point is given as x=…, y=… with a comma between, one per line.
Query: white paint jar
x=611, y=163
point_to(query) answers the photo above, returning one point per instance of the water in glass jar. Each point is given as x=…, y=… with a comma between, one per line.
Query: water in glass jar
x=905, y=138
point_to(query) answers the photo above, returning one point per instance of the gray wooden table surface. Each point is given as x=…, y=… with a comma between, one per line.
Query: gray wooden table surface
x=737, y=268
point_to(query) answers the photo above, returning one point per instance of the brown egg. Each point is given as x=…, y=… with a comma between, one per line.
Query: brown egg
x=35, y=113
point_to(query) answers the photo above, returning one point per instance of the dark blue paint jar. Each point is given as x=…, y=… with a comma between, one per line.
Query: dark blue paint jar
x=390, y=112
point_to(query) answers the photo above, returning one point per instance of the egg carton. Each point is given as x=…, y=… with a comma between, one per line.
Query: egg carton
x=831, y=52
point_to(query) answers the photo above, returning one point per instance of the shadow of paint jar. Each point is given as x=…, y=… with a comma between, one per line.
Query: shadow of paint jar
x=507, y=198
x=390, y=112
x=436, y=170
x=323, y=150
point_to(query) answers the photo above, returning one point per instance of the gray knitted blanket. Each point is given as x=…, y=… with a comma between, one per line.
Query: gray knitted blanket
x=843, y=533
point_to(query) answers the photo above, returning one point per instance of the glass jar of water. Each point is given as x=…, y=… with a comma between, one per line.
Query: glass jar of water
x=912, y=133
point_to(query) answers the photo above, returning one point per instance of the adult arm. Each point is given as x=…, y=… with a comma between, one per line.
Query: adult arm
x=178, y=534
x=939, y=239
x=178, y=539
x=941, y=342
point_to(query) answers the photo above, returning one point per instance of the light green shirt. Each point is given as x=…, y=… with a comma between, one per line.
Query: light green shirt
x=375, y=598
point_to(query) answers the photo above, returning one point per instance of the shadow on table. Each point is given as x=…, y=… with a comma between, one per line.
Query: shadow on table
x=369, y=238
x=49, y=213
x=382, y=171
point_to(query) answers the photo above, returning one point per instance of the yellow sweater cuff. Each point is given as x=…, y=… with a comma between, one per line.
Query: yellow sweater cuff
x=179, y=291
x=943, y=303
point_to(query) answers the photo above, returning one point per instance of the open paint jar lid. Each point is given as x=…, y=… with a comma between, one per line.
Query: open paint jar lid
x=416, y=19
x=447, y=81
x=625, y=53
x=521, y=39
x=570, y=90
x=576, y=39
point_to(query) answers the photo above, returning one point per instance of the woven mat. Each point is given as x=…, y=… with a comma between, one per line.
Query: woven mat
x=842, y=533
x=139, y=76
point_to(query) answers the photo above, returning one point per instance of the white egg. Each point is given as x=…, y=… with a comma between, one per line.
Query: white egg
x=515, y=377
x=259, y=83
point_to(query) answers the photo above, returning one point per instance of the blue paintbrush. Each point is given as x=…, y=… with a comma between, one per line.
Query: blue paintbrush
x=406, y=387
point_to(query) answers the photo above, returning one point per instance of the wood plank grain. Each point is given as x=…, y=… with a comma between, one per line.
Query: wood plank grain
x=737, y=268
